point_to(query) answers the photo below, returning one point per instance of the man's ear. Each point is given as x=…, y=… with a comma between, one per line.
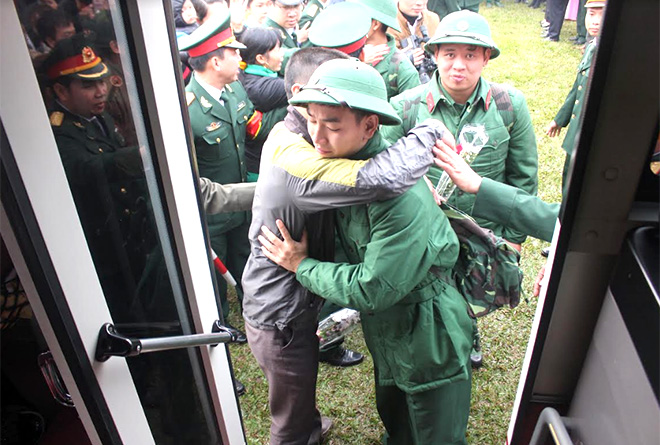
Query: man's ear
x=295, y=89
x=61, y=92
x=487, y=53
x=371, y=125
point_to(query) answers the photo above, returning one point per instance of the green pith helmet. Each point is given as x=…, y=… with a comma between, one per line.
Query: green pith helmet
x=384, y=11
x=348, y=83
x=465, y=27
x=213, y=34
x=343, y=27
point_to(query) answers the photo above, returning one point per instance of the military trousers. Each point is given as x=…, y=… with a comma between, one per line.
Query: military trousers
x=434, y=417
x=289, y=358
x=233, y=248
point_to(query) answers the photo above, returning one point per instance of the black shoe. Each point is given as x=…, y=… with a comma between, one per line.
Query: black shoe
x=240, y=335
x=476, y=359
x=239, y=387
x=580, y=41
x=551, y=39
x=339, y=356
x=545, y=252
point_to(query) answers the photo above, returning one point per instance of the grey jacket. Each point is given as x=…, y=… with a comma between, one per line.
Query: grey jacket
x=222, y=198
x=295, y=182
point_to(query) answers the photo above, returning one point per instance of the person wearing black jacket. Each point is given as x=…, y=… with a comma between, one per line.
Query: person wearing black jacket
x=262, y=60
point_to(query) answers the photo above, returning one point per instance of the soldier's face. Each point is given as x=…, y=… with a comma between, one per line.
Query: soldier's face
x=336, y=132
x=592, y=20
x=226, y=69
x=259, y=10
x=84, y=97
x=286, y=16
x=460, y=68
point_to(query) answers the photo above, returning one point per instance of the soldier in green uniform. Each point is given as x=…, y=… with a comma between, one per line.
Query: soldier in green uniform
x=570, y=112
x=221, y=116
x=395, y=67
x=104, y=175
x=283, y=17
x=401, y=253
x=458, y=96
x=310, y=12
x=443, y=7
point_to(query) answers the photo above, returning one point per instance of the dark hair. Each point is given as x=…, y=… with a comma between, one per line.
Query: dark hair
x=258, y=41
x=304, y=62
x=50, y=20
x=199, y=63
x=201, y=8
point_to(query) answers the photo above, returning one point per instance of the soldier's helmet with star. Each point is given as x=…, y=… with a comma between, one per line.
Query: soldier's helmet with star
x=465, y=27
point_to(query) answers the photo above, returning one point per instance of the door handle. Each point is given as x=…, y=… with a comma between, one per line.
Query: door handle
x=111, y=343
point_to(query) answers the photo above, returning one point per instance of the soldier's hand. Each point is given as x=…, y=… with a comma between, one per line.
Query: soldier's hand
x=417, y=56
x=373, y=54
x=285, y=252
x=553, y=129
x=438, y=199
x=303, y=33
x=458, y=170
x=538, y=284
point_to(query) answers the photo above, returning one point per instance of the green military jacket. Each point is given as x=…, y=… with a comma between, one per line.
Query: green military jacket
x=571, y=111
x=219, y=133
x=110, y=193
x=313, y=8
x=415, y=324
x=509, y=156
x=397, y=70
x=289, y=43
x=443, y=7
x=516, y=209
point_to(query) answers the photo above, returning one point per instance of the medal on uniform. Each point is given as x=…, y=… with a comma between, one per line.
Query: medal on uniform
x=213, y=126
x=240, y=106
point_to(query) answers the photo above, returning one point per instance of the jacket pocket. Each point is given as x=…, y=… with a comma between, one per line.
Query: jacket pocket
x=217, y=144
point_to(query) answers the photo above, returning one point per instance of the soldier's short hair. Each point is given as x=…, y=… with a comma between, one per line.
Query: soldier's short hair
x=50, y=20
x=199, y=63
x=304, y=62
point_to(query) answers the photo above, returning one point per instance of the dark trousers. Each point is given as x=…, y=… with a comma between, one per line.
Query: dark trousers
x=581, y=14
x=555, y=12
x=438, y=416
x=289, y=359
x=233, y=248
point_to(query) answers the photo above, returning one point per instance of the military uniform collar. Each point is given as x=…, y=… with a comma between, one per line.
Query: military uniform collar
x=374, y=146
x=436, y=93
x=212, y=91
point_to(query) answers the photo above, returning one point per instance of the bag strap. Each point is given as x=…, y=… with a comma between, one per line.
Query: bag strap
x=502, y=98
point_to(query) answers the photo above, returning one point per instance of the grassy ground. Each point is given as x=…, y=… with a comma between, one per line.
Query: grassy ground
x=544, y=72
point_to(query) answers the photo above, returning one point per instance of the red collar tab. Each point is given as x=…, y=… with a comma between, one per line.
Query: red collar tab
x=430, y=103
x=214, y=42
x=488, y=96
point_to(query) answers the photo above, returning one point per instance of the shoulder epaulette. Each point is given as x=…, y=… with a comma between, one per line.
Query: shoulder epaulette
x=56, y=118
x=190, y=98
x=229, y=88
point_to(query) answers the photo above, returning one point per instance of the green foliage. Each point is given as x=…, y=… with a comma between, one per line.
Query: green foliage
x=544, y=71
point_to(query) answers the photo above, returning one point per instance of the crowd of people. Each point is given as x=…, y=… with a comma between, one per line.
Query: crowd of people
x=314, y=123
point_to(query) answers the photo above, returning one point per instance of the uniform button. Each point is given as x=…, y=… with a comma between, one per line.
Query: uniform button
x=577, y=102
x=579, y=87
x=123, y=190
x=460, y=193
x=341, y=215
x=126, y=211
x=100, y=150
x=237, y=146
x=244, y=118
x=217, y=140
x=573, y=117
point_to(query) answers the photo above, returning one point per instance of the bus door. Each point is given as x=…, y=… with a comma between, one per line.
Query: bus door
x=107, y=244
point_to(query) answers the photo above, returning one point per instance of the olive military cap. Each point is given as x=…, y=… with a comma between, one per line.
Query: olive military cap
x=343, y=27
x=75, y=57
x=385, y=11
x=213, y=34
x=465, y=27
x=348, y=83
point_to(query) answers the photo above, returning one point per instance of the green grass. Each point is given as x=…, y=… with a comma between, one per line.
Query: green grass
x=544, y=72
